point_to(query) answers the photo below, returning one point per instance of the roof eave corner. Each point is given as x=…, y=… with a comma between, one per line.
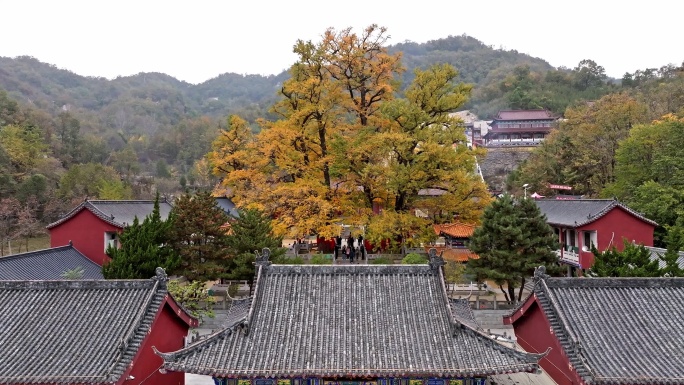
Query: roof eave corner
x=539, y=277
x=179, y=310
x=539, y=356
x=436, y=265
x=164, y=356
x=261, y=262
x=68, y=215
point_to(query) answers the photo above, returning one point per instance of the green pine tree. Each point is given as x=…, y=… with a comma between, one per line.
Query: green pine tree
x=143, y=249
x=199, y=236
x=675, y=243
x=632, y=261
x=539, y=242
x=513, y=239
x=250, y=232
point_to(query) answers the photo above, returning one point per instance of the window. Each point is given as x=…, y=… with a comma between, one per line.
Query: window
x=590, y=238
x=571, y=238
x=111, y=240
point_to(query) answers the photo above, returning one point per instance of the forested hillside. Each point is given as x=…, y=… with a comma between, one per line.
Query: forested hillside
x=64, y=137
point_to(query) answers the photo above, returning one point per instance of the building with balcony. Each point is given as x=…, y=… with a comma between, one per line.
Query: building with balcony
x=520, y=128
x=604, y=223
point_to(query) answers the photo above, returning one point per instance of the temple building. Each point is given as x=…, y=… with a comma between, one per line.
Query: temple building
x=604, y=331
x=520, y=128
x=350, y=324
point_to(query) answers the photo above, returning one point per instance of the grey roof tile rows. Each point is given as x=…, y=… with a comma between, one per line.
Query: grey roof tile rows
x=463, y=313
x=525, y=115
x=67, y=332
x=349, y=321
x=618, y=330
x=579, y=212
x=227, y=205
x=119, y=213
x=239, y=309
x=47, y=264
x=657, y=253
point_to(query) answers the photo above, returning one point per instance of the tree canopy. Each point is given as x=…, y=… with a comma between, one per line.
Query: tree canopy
x=346, y=142
x=512, y=241
x=632, y=261
x=581, y=153
x=199, y=236
x=250, y=232
x=144, y=247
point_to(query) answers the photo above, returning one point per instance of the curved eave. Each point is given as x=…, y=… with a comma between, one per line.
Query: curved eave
x=520, y=310
x=528, y=362
x=356, y=373
x=85, y=205
x=609, y=208
x=201, y=344
x=181, y=312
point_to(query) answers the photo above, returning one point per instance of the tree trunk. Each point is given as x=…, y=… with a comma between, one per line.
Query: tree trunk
x=522, y=287
x=505, y=293
x=511, y=291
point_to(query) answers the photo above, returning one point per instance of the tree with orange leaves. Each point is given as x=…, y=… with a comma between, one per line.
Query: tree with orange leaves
x=344, y=141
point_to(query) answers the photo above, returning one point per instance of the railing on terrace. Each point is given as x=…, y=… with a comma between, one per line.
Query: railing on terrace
x=507, y=143
x=569, y=254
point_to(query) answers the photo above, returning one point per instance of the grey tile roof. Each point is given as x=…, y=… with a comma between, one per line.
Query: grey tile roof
x=657, y=253
x=47, y=264
x=463, y=313
x=239, y=308
x=350, y=321
x=119, y=213
x=541, y=378
x=525, y=115
x=618, y=330
x=227, y=205
x=74, y=332
x=579, y=212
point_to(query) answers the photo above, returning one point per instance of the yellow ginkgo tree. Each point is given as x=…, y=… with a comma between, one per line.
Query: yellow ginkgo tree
x=347, y=144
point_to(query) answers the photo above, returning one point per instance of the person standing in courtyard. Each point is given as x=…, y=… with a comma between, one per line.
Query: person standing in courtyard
x=338, y=245
x=362, y=248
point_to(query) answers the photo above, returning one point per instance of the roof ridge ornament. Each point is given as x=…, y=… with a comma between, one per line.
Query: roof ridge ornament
x=436, y=261
x=540, y=273
x=160, y=274
x=263, y=258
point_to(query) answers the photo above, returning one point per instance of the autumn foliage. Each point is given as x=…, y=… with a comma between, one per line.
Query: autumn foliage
x=347, y=145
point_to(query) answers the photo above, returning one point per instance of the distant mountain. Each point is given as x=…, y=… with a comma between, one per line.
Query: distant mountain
x=161, y=120
x=48, y=87
x=476, y=62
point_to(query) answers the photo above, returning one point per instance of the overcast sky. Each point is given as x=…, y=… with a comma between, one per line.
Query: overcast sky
x=198, y=40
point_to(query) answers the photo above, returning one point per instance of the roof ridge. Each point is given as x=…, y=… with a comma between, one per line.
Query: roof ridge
x=76, y=284
x=146, y=315
x=68, y=215
x=422, y=269
x=614, y=282
x=36, y=252
x=239, y=324
x=124, y=200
